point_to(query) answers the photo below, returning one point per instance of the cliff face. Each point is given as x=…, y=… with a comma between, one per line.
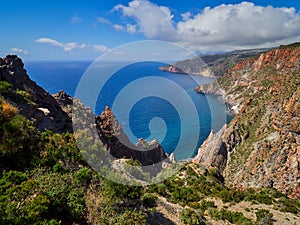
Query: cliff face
x=263, y=140
x=32, y=101
x=55, y=113
x=117, y=143
x=211, y=65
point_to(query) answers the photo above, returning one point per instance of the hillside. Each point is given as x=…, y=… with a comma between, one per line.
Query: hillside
x=262, y=142
x=212, y=64
x=44, y=178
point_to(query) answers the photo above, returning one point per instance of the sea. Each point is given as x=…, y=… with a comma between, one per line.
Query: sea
x=148, y=103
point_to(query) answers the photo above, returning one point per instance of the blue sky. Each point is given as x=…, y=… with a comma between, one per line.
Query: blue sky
x=77, y=29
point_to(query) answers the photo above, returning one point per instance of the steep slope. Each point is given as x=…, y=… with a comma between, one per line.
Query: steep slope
x=118, y=144
x=32, y=101
x=218, y=64
x=263, y=140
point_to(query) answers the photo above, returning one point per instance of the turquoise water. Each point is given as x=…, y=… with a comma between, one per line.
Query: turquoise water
x=152, y=98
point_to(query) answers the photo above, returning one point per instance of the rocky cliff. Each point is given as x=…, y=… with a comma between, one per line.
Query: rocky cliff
x=32, y=101
x=212, y=64
x=263, y=140
x=117, y=143
x=55, y=113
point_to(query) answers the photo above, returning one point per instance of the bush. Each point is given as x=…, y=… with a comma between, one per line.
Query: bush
x=149, y=200
x=5, y=86
x=190, y=217
x=18, y=142
x=232, y=217
x=204, y=205
x=289, y=205
x=21, y=200
x=8, y=111
x=83, y=176
x=264, y=217
x=134, y=217
x=161, y=189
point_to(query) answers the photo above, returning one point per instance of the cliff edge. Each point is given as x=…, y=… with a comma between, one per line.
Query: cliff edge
x=263, y=140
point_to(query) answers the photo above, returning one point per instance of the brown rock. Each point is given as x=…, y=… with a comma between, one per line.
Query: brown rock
x=119, y=146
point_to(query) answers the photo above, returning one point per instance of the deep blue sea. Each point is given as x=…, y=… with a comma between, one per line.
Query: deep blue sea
x=164, y=114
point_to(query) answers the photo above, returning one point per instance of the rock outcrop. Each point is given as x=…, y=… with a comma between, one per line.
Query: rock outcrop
x=263, y=139
x=172, y=69
x=32, y=101
x=65, y=101
x=213, y=152
x=117, y=143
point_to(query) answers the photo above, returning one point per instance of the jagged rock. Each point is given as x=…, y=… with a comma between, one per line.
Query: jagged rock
x=262, y=141
x=213, y=151
x=119, y=146
x=36, y=105
x=65, y=101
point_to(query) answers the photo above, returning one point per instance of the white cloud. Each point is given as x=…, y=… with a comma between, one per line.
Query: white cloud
x=76, y=19
x=119, y=27
x=153, y=21
x=131, y=28
x=103, y=20
x=185, y=16
x=49, y=41
x=224, y=27
x=18, y=51
x=72, y=45
x=240, y=25
x=100, y=48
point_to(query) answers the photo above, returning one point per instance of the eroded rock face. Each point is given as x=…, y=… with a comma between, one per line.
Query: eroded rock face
x=213, y=151
x=117, y=143
x=65, y=101
x=263, y=139
x=32, y=101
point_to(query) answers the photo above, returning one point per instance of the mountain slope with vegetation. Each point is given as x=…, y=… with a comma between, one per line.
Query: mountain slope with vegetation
x=44, y=179
x=263, y=140
x=212, y=64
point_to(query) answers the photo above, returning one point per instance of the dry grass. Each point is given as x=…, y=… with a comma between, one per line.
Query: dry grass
x=8, y=111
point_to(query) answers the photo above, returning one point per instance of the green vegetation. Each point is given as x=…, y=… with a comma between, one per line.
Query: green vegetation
x=44, y=179
x=5, y=86
x=264, y=217
x=190, y=217
x=232, y=217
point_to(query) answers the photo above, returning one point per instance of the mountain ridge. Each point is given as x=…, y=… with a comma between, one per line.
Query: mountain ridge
x=263, y=138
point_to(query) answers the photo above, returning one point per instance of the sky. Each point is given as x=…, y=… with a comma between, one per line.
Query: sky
x=86, y=29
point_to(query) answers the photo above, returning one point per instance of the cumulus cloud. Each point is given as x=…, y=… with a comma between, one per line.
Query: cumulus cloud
x=153, y=21
x=185, y=16
x=18, y=51
x=224, y=27
x=240, y=25
x=131, y=28
x=72, y=45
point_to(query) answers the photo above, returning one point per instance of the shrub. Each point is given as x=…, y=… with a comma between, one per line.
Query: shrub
x=149, y=200
x=232, y=217
x=83, y=176
x=161, y=189
x=289, y=205
x=5, y=86
x=8, y=111
x=190, y=217
x=134, y=217
x=21, y=200
x=264, y=217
